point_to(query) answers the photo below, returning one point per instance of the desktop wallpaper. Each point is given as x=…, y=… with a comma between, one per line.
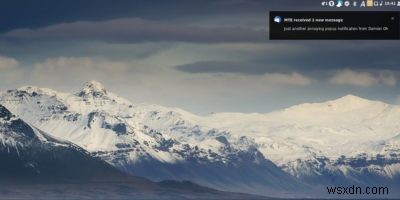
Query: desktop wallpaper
x=190, y=100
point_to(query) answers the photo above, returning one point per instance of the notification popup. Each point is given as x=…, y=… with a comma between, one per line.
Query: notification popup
x=348, y=25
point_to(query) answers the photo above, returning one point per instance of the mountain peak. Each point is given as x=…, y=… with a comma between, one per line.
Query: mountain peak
x=93, y=88
x=343, y=104
x=351, y=99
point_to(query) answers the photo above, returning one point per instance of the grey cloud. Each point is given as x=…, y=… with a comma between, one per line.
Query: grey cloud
x=40, y=13
x=308, y=57
x=229, y=67
x=356, y=76
x=138, y=30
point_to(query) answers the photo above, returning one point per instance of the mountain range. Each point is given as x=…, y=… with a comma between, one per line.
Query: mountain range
x=288, y=153
x=34, y=165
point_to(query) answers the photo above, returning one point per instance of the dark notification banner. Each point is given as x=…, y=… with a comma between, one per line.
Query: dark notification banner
x=346, y=25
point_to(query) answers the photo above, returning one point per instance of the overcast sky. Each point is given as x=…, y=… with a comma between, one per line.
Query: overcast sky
x=202, y=56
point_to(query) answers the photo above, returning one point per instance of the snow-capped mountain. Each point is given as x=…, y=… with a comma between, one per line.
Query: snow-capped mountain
x=148, y=140
x=346, y=141
x=29, y=155
x=34, y=165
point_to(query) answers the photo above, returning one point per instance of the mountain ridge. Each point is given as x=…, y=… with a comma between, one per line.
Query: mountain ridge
x=301, y=140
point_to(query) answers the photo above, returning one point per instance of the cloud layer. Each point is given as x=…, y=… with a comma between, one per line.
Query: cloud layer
x=139, y=30
x=364, y=78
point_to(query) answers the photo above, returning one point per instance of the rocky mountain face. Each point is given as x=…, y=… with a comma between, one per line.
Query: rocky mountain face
x=35, y=165
x=29, y=155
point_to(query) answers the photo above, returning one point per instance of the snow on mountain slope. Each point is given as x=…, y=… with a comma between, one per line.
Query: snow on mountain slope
x=16, y=134
x=346, y=137
x=34, y=165
x=148, y=140
x=98, y=121
x=28, y=155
